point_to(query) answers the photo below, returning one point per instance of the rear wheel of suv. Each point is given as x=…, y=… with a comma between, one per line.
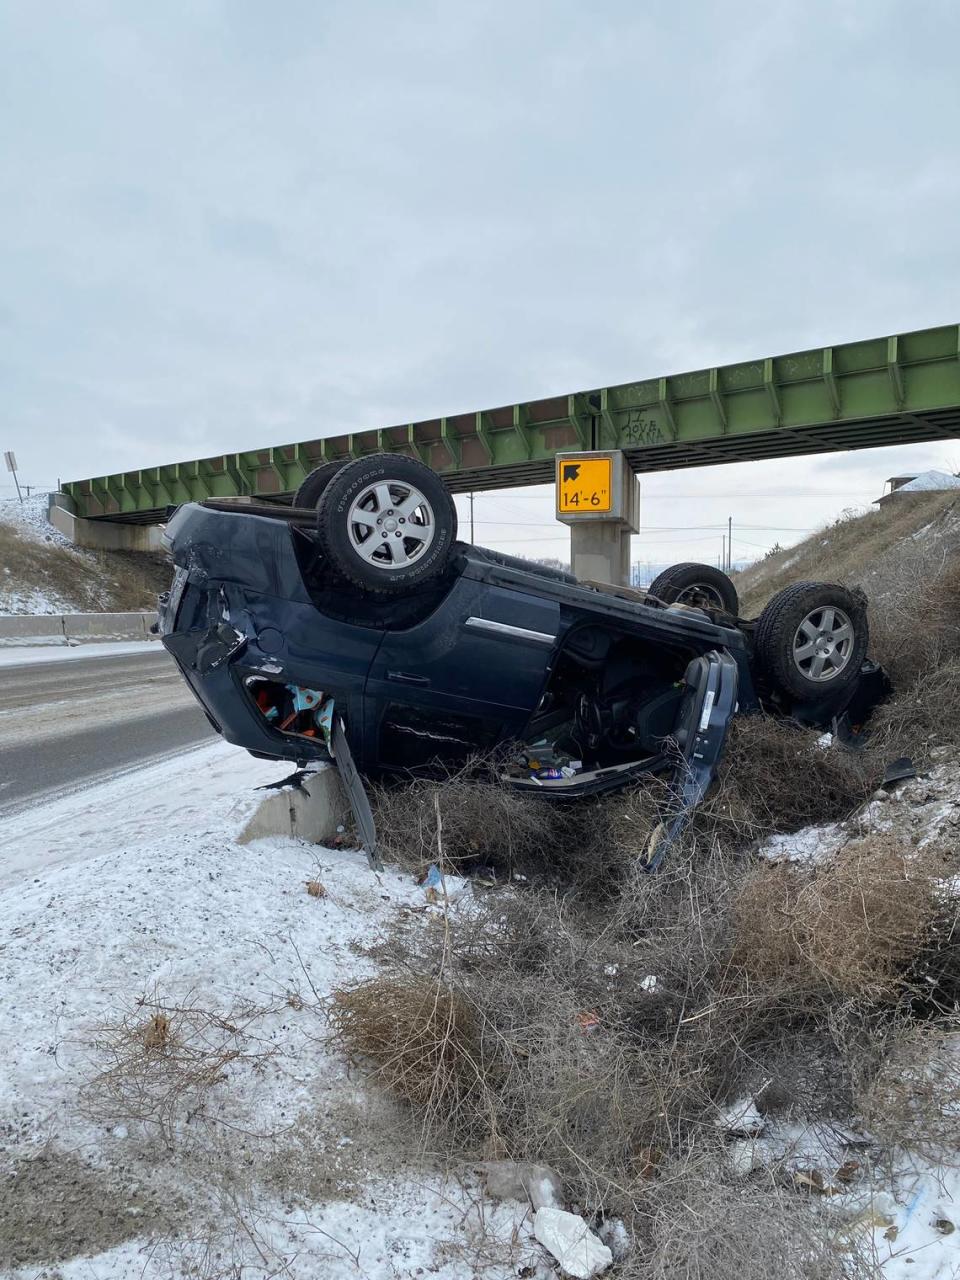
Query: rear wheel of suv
x=811, y=639
x=387, y=523
x=699, y=585
x=314, y=484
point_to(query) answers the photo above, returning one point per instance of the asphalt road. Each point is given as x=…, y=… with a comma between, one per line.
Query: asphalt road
x=67, y=724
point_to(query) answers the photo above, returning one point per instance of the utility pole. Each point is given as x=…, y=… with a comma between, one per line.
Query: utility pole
x=729, y=543
x=723, y=552
x=471, y=517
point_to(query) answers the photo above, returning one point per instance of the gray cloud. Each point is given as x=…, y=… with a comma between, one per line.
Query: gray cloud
x=227, y=224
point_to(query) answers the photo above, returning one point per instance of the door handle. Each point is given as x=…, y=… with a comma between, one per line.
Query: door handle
x=404, y=677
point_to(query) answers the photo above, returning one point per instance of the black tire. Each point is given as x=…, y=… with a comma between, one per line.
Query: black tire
x=700, y=585
x=423, y=537
x=314, y=484
x=781, y=646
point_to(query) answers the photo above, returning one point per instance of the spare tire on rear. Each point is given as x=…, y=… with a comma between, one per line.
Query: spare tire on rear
x=811, y=639
x=387, y=523
x=699, y=585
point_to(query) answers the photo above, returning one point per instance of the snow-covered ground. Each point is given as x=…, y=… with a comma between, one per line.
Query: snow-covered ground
x=133, y=901
x=29, y=518
x=137, y=890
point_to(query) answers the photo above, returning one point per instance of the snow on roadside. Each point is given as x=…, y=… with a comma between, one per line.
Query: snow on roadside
x=29, y=655
x=138, y=888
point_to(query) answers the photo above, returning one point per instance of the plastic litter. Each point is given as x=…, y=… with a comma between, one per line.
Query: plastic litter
x=898, y=770
x=567, y=1237
x=741, y=1118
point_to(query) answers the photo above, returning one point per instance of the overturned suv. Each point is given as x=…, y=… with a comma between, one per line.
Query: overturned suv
x=354, y=626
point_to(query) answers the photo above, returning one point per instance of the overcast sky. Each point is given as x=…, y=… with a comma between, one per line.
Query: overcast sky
x=227, y=224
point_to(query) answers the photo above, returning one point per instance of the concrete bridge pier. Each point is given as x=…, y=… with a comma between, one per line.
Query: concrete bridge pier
x=101, y=535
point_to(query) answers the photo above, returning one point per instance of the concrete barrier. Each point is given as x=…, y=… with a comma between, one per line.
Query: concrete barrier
x=31, y=629
x=85, y=627
x=309, y=812
x=73, y=628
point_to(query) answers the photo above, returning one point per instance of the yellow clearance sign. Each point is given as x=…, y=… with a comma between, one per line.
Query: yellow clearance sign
x=584, y=485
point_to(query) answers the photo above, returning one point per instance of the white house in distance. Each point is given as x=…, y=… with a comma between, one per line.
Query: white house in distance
x=925, y=482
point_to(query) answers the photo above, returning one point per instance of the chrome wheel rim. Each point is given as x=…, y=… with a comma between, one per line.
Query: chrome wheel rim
x=700, y=591
x=391, y=525
x=823, y=644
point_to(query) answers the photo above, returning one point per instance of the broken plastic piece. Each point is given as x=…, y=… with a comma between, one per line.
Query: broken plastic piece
x=898, y=770
x=579, y=1252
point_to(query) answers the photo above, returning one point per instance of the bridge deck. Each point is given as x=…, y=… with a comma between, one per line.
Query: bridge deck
x=860, y=395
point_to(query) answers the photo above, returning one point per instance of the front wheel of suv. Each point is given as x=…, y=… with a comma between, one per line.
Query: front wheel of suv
x=811, y=639
x=387, y=523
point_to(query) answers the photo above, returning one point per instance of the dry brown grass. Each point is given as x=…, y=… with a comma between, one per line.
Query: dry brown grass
x=853, y=924
x=923, y=716
x=486, y=825
x=602, y=1038
x=91, y=581
x=857, y=549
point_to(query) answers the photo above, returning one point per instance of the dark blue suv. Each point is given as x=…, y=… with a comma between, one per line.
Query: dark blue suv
x=354, y=626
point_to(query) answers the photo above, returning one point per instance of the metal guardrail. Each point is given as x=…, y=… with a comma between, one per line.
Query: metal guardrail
x=882, y=391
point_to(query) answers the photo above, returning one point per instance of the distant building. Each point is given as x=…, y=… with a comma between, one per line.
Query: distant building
x=925, y=482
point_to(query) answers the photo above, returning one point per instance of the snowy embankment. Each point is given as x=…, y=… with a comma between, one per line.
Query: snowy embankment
x=134, y=902
x=131, y=917
x=42, y=573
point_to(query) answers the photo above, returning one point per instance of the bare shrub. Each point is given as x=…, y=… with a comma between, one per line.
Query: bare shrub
x=487, y=824
x=693, y=1225
x=774, y=777
x=483, y=821
x=162, y=1061
x=424, y=1039
x=854, y=924
x=911, y=1097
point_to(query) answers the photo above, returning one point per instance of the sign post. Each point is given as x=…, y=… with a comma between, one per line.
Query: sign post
x=598, y=496
x=10, y=458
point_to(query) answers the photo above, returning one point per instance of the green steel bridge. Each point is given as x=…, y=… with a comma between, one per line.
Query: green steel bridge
x=860, y=395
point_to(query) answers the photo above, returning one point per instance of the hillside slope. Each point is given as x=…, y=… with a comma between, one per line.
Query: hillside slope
x=905, y=556
x=42, y=572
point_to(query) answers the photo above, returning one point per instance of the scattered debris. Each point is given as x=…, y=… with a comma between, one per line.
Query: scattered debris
x=741, y=1118
x=580, y=1253
x=520, y=1180
x=316, y=889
